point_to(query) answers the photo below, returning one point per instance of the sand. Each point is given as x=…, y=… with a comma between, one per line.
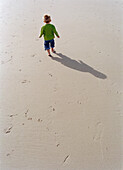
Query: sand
x=65, y=112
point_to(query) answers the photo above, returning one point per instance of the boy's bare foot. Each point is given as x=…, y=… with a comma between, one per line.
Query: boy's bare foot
x=53, y=51
x=50, y=55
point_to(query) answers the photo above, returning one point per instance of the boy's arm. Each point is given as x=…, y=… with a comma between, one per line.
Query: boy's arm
x=41, y=33
x=56, y=33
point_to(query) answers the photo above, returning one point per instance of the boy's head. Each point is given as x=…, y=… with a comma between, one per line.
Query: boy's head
x=47, y=19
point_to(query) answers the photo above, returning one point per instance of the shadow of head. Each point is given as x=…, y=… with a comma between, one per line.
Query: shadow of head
x=78, y=65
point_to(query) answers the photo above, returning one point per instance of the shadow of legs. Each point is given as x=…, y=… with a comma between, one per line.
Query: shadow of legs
x=78, y=65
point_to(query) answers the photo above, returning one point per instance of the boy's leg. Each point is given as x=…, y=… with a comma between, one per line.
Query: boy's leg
x=53, y=50
x=47, y=47
x=52, y=43
x=48, y=52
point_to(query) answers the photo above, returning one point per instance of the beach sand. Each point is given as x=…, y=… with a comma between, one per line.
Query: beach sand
x=65, y=112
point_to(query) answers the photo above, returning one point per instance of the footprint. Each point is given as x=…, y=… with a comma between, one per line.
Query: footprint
x=52, y=108
x=26, y=113
x=33, y=55
x=58, y=145
x=8, y=130
x=4, y=62
x=99, y=132
x=12, y=115
x=79, y=102
x=66, y=158
x=50, y=75
x=8, y=154
x=99, y=137
x=39, y=120
x=25, y=81
x=29, y=118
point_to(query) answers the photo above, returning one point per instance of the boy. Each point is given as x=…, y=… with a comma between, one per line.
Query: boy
x=48, y=31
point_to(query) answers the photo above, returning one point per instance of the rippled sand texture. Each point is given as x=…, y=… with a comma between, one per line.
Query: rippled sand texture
x=64, y=112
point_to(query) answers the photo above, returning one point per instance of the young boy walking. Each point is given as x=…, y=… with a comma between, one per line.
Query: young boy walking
x=48, y=31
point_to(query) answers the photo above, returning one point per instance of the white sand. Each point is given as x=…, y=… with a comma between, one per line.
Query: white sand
x=65, y=113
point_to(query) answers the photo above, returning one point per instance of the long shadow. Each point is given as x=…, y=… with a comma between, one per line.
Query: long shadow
x=77, y=65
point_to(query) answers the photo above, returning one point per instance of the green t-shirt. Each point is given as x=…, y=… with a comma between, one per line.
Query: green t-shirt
x=48, y=30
